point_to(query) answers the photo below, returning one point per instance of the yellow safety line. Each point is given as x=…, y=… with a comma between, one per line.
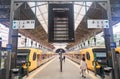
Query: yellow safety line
x=39, y=69
x=79, y=67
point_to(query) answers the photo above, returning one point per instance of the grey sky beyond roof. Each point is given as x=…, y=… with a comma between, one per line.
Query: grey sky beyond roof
x=40, y=9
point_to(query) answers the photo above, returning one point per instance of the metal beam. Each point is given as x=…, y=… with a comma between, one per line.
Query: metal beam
x=58, y=0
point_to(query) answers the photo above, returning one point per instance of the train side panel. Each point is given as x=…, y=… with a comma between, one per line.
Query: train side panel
x=33, y=59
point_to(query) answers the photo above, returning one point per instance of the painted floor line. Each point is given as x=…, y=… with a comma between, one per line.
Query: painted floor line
x=79, y=67
x=39, y=69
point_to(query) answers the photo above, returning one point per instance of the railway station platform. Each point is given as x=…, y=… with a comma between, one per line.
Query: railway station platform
x=51, y=70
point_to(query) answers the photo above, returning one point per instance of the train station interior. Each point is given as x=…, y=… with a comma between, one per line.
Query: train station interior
x=59, y=39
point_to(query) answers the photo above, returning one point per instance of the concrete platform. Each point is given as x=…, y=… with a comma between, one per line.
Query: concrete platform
x=51, y=70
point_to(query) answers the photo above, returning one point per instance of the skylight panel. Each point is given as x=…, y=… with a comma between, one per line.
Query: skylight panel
x=80, y=9
x=31, y=4
x=83, y=12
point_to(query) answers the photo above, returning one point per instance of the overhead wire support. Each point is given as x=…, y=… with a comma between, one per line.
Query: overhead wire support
x=35, y=14
x=57, y=0
x=86, y=13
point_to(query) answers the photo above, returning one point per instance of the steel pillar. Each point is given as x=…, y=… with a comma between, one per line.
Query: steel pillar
x=108, y=33
x=0, y=50
x=13, y=41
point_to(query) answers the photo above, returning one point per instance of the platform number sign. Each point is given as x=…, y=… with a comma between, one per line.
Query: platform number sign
x=23, y=24
x=93, y=23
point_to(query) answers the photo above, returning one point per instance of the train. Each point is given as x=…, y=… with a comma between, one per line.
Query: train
x=28, y=58
x=96, y=57
x=32, y=58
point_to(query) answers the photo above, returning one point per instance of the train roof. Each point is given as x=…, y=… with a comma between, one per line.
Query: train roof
x=29, y=48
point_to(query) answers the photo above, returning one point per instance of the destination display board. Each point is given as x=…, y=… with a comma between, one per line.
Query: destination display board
x=5, y=10
x=115, y=10
x=60, y=23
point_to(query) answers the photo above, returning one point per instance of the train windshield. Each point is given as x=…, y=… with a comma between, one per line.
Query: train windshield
x=101, y=56
x=22, y=55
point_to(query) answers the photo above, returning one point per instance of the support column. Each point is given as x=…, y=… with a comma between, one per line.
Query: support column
x=0, y=50
x=108, y=33
x=60, y=61
x=12, y=40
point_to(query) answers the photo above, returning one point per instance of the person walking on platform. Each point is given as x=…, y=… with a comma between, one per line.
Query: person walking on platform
x=83, y=67
x=64, y=58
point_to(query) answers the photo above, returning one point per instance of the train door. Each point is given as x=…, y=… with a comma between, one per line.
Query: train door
x=89, y=59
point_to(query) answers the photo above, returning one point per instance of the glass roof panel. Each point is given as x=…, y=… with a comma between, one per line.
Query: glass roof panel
x=31, y=4
x=37, y=11
x=39, y=17
x=42, y=12
x=45, y=15
x=42, y=3
x=89, y=4
x=82, y=12
x=33, y=9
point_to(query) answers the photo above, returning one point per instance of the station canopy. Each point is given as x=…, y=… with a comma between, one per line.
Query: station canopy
x=82, y=33
x=39, y=12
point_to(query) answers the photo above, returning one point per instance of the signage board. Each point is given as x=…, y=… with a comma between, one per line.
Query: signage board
x=60, y=22
x=4, y=13
x=23, y=24
x=97, y=23
x=9, y=47
x=113, y=45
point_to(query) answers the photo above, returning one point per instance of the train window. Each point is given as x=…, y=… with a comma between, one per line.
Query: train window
x=117, y=52
x=34, y=56
x=83, y=55
x=87, y=55
x=100, y=54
